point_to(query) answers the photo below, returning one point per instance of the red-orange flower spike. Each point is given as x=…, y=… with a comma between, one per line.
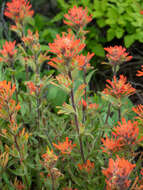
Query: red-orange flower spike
x=77, y=17
x=49, y=158
x=33, y=88
x=65, y=147
x=117, y=54
x=8, y=51
x=6, y=90
x=87, y=167
x=18, y=10
x=93, y=106
x=140, y=73
x=18, y=185
x=139, y=110
x=83, y=61
x=127, y=132
x=31, y=38
x=67, y=45
x=8, y=107
x=119, y=88
x=111, y=145
x=117, y=174
x=83, y=103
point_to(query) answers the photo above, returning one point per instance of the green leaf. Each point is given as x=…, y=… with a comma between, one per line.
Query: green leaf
x=66, y=109
x=99, y=50
x=110, y=34
x=63, y=4
x=129, y=40
x=119, y=32
x=88, y=78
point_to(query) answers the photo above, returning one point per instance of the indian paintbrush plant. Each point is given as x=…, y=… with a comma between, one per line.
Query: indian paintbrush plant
x=86, y=142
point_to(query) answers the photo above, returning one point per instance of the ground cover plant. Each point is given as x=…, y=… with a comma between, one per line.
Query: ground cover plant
x=85, y=141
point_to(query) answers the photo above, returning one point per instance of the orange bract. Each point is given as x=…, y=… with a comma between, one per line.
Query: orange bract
x=139, y=110
x=83, y=61
x=117, y=173
x=33, y=88
x=8, y=51
x=8, y=107
x=119, y=88
x=66, y=48
x=140, y=73
x=88, y=166
x=111, y=145
x=67, y=45
x=17, y=10
x=117, y=54
x=49, y=157
x=126, y=132
x=65, y=147
x=77, y=17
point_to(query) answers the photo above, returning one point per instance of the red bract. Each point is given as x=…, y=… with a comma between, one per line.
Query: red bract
x=117, y=54
x=31, y=38
x=87, y=167
x=140, y=73
x=141, y=12
x=126, y=132
x=65, y=147
x=17, y=10
x=119, y=88
x=117, y=174
x=139, y=110
x=66, y=46
x=33, y=88
x=77, y=17
x=111, y=145
x=8, y=107
x=83, y=61
x=8, y=51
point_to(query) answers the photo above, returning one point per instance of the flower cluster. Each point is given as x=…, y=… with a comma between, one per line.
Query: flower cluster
x=119, y=88
x=117, y=54
x=8, y=53
x=7, y=103
x=124, y=135
x=140, y=73
x=49, y=158
x=111, y=145
x=18, y=10
x=139, y=111
x=65, y=147
x=83, y=61
x=87, y=167
x=66, y=48
x=77, y=17
x=117, y=174
x=33, y=88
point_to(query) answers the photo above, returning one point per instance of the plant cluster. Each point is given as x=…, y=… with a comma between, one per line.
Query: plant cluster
x=89, y=141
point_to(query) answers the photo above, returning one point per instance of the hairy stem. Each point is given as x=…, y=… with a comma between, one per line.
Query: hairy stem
x=76, y=121
x=53, y=180
x=85, y=94
x=108, y=113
